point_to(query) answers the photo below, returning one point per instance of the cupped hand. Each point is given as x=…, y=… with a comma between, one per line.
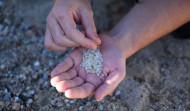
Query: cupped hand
x=61, y=30
x=71, y=78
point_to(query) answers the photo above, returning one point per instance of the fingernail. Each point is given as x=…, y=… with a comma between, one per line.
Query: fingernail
x=98, y=99
x=98, y=41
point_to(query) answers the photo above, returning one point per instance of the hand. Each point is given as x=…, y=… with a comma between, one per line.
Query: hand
x=61, y=30
x=71, y=78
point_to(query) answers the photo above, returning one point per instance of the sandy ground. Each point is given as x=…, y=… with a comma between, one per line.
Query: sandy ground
x=158, y=76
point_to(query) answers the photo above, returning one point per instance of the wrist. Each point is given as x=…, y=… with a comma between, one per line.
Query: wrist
x=125, y=46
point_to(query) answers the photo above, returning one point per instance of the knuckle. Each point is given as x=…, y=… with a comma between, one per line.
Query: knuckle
x=69, y=35
x=56, y=11
x=56, y=72
x=72, y=71
x=63, y=83
x=59, y=42
x=60, y=17
x=48, y=46
x=68, y=61
x=91, y=29
x=76, y=45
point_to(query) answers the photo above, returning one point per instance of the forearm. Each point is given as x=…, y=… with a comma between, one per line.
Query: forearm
x=148, y=21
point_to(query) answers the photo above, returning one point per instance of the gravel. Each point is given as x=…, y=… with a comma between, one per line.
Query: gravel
x=157, y=78
x=100, y=107
x=29, y=101
x=16, y=106
x=36, y=63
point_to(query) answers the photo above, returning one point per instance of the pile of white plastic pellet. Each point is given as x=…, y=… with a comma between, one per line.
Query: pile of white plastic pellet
x=92, y=61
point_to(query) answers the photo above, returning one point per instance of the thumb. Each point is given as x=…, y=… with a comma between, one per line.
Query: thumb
x=89, y=26
x=109, y=85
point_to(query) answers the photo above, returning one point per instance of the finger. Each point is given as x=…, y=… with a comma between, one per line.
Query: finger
x=109, y=85
x=63, y=76
x=82, y=72
x=67, y=84
x=93, y=79
x=83, y=32
x=89, y=26
x=80, y=92
x=50, y=44
x=58, y=34
x=69, y=26
x=62, y=67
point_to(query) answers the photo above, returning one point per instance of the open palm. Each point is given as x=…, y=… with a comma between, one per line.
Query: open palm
x=71, y=78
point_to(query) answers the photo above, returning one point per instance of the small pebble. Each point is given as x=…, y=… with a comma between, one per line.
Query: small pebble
x=31, y=92
x=1, y=27
x=21, y=107
x=83, y=101
x=30, y=33
x=22, y=77
x=45, y=76
x=113, y=98
x=17, y=99
x=29, y=101
x=37, y=63
x=66, y=100
x=1, y=3
x=53, y=102
x=154, y=107
x=35, y=76
x=81, y=108
x=72, y=101
x=113, y=107
x=5, y=90
x=50, y=63
x=7, y=97
x=2, y=104
x=16, y=106
x=59, y=104
x=68, y=105
x=100, y=107
x=118, y=93
x=163, y=69
x=5, y=31
x=16, y=92
x=2, y=66
x=88, y=103
x=7, y=21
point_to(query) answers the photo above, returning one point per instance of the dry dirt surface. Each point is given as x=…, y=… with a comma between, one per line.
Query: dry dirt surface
x=158, y=76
